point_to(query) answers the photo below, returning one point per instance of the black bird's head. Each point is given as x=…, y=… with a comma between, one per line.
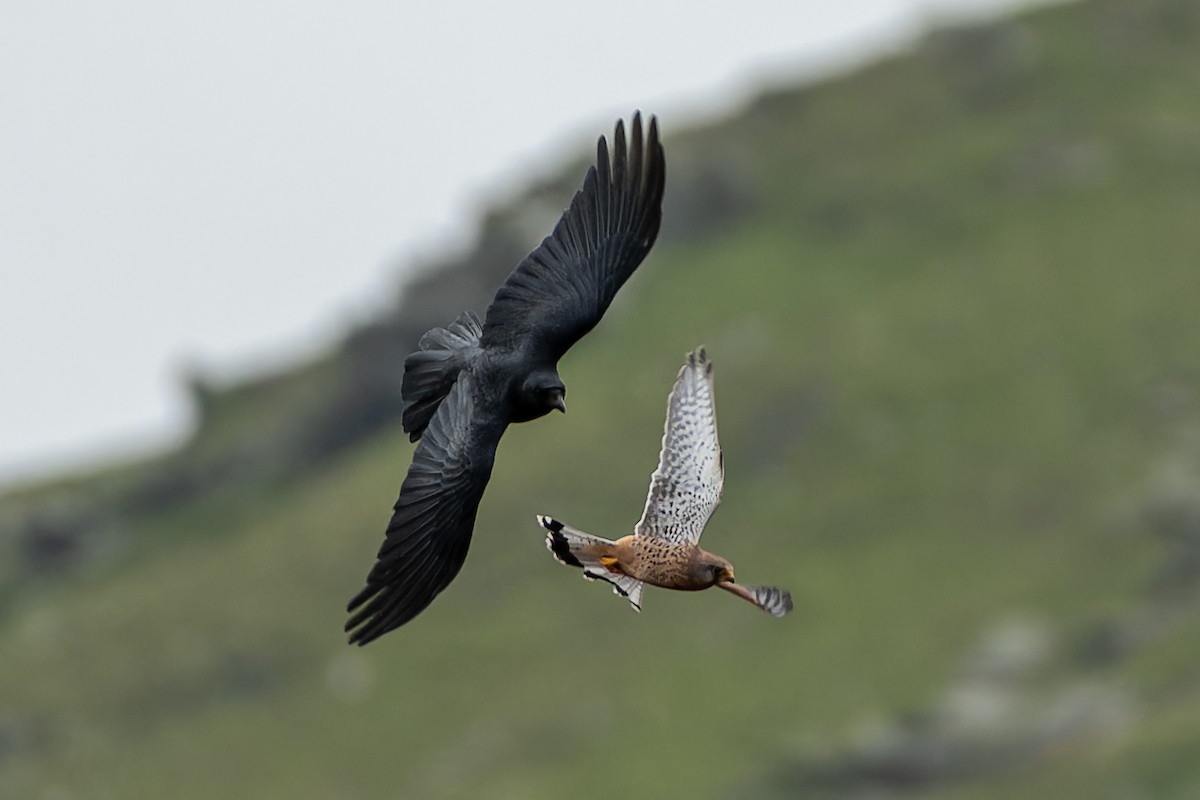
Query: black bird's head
x=542, y=392
x=556, y=397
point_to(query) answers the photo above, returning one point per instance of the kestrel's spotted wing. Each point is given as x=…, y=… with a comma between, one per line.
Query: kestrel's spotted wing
x=686, y=487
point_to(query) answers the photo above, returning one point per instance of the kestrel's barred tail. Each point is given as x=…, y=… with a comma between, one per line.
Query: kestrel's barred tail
x=592, y=554
x=773, y=600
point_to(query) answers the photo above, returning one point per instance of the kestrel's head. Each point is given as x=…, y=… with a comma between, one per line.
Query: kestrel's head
x=716, y=569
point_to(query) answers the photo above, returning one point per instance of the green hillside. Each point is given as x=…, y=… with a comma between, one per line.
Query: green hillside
x=952, y=303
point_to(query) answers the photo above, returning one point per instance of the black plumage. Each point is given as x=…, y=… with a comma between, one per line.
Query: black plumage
x=468, y=381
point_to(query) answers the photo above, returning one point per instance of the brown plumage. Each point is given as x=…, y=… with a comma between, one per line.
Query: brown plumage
x=684, y=491
x=655, y=561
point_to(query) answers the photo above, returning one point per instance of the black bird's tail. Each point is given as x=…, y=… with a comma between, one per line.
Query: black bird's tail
x=431, y=371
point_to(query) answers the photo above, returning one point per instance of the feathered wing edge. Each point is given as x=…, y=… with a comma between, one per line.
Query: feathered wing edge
x=430, y=530
x=561, y=290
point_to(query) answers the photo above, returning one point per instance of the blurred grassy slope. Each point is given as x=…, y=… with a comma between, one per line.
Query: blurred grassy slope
x=952, y=307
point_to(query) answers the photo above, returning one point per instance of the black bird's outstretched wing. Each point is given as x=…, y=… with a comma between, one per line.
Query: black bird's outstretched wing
x=561, y=290
x=430, y=530
x=552, y=298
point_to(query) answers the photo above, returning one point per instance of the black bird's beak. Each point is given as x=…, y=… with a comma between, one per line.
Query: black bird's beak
x=560, y=403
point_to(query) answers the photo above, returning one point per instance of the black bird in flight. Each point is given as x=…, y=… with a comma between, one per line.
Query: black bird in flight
x=468, y=381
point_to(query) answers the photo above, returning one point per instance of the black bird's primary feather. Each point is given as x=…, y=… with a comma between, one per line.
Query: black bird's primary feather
x=467, y=382
x=427, y=539
x=561, y=290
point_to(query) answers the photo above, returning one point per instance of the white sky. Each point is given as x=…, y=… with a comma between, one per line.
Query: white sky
x=227, y=184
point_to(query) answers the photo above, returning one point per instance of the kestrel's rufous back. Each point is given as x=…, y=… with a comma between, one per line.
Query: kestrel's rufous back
x=684, y=491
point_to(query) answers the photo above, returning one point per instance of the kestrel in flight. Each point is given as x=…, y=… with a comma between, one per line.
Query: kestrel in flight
x=469, y=381
x=664, y=549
